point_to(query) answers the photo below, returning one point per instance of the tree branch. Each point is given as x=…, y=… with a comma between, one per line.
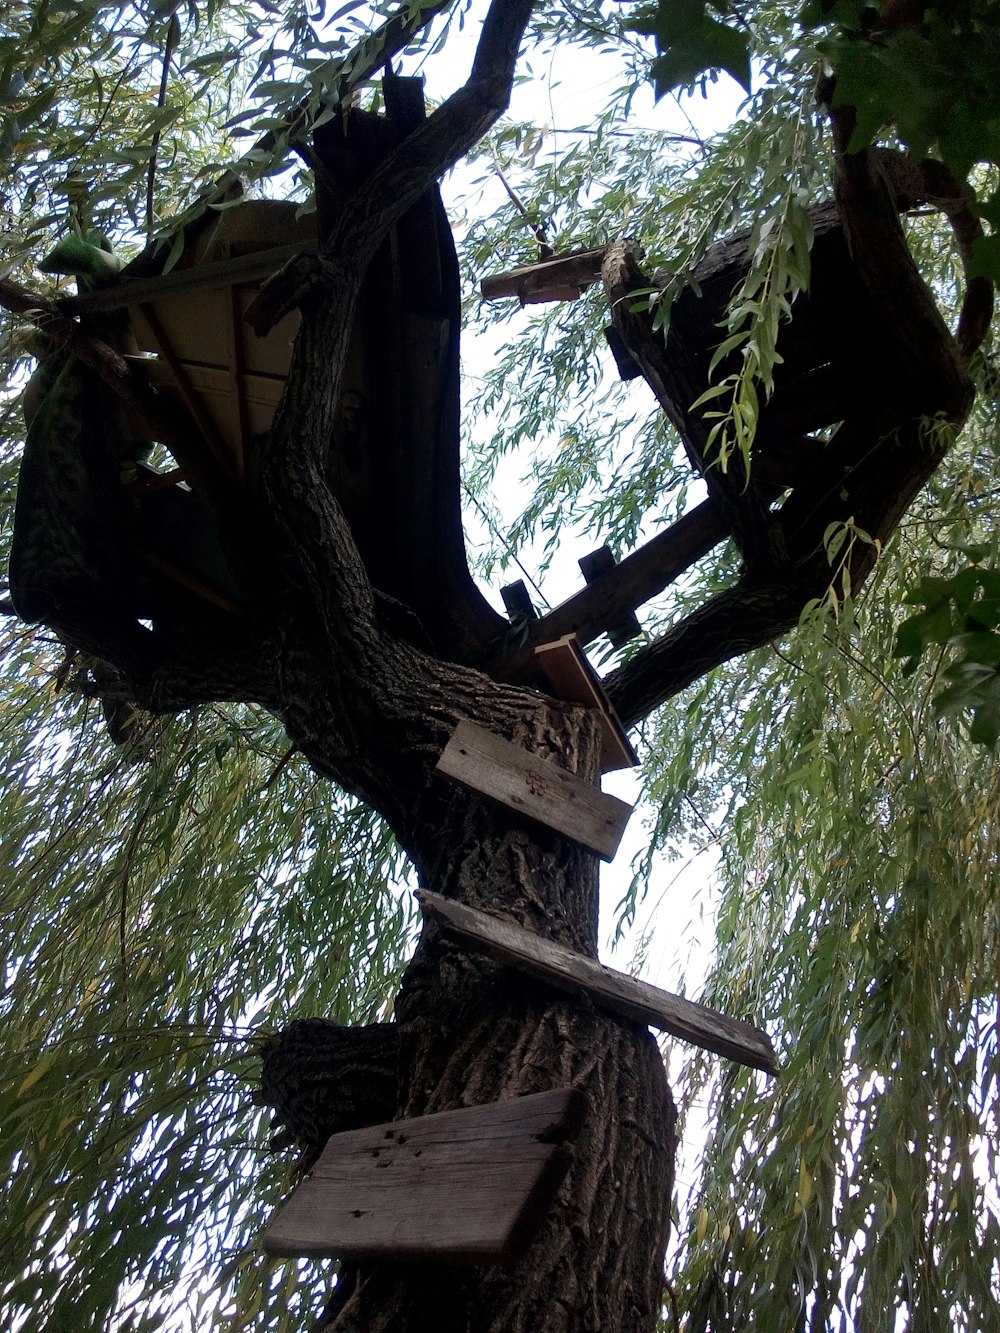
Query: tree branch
x=733, y=623
x=294, y=465
x=422, y=158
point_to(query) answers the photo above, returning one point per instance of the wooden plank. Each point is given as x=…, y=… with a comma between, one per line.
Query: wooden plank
x=237, y=371
x=209, y=431
x=517, y=600
x=470, y=1186
x=218, y=274
x=622, y=994
x=505, y=773
x=561, y=278
x=634, y=581
x=592, y=567
x=188, y=580
x=573, y=678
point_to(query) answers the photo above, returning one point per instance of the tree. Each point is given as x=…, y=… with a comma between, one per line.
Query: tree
x=113, y=931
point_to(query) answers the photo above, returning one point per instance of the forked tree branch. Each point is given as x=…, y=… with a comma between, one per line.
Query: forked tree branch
x=327, y=291
x=421, y=159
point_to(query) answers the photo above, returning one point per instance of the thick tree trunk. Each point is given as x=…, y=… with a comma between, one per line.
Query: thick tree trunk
x=474, y=1032
x=471, y=1031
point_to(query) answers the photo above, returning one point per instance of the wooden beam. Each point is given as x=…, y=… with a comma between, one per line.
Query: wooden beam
x=534, y=787
x=561, y=278
x=465, y=1187
x=187, y=580
x=633, y=582
x=190, y=398
x=593, y=567
x=573, y=678
x=621, y=994
x=220, y=273
x=237, y=374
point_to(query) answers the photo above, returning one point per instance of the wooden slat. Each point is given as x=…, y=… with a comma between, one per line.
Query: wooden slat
x=595, y=566
x=622, y=994
x=573, y=678
x=534, y=787
x=470, y=1186
x=237, y=372
x=517, y=601
x=634, y=581
x=187, y=580
x=192, y=401
x=561, y=278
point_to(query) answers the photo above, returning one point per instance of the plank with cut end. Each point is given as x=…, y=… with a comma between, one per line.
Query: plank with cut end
x=573, y=678
x=595, y=566
x=608, y=989
x=470, y=1186
x=505, y=773
x=561, y=278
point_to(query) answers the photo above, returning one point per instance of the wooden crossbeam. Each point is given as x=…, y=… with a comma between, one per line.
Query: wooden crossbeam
x=593, y=567
x=633, y=581
x=608, y=989
x=561, y=278
x=219, y=274
x=534, y=787
x=191, y=399
x=573, y=678
x=463, y=1187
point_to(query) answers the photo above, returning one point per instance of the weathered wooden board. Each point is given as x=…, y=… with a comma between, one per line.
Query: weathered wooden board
x=495, y=768
x=561, y=278
x=573, y=678
x=214, y=389
x=608, y=989
x=595, y=566
x=470, y=1186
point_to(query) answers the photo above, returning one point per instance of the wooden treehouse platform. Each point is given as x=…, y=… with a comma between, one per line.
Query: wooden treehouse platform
x=825, y=451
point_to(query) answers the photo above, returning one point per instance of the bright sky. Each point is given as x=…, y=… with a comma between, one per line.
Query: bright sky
x=567, y=88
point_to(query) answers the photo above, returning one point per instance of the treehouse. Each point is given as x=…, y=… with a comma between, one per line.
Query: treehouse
x=836, y=442
x=111, y=552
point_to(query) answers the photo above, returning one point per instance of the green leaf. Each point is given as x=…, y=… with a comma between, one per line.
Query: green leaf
x=695, y=51
x=985, y=261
